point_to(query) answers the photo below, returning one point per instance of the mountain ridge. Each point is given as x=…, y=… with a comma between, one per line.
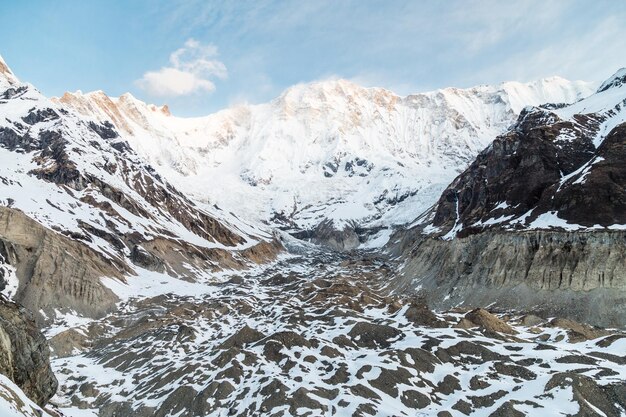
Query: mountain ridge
x=344, y=141
x=78, y=205
x=212, y=313
x=536, y=221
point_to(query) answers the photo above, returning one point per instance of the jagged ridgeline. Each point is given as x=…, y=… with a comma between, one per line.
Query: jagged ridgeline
x=331, y=162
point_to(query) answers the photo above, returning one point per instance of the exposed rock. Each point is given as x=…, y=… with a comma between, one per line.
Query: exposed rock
x=243, y=337
x=290, y=339
x=589, y=395
x=388, y=381
x=326, y=234
x=414, y=399
x=55, y=272
x=371, y=335
x=448, y=385
x=487, y=400
x=522, y=168
x=531, y=320
x=419, y=314
x=488, y=321
x=68, y=342
x=514, y=371
x=507, y=410
x=578, y=332
x=24, y=354
x=141, y=257
x=578, y=275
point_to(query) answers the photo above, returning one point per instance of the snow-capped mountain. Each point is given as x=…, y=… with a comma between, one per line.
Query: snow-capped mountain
x=326, y=156
x=77, y=204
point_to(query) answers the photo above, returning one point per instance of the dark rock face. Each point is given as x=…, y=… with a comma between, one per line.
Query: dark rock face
x=40, y=115
x=24, y=354
x=601, y=197
x=590, y=396
x=524, y=169
x=373, y=335
x=140, y=256
x=105, y=130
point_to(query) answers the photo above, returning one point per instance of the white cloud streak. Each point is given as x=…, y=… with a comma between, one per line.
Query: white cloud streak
x=191, y=71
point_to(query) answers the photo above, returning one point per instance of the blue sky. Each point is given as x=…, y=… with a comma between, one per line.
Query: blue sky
x=201, y=56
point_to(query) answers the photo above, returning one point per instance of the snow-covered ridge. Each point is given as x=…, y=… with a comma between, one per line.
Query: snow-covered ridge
x=329, y=150
x=7, y=78
x=616, y=80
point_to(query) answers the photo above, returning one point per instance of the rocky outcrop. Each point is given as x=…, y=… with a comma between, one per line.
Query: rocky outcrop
x=537, y=221
x=344, y=238
x=598, y=195
x=55, y=272
x=24, y=353
x=581, y=275
x=484, y=319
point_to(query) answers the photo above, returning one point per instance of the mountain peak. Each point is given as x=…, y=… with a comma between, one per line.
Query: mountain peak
x=6, y=74
x=616, y=80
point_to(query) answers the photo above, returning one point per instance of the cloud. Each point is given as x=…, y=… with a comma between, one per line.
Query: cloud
x=190, y=72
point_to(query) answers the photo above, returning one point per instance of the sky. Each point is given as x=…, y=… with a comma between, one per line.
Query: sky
x=201, y=56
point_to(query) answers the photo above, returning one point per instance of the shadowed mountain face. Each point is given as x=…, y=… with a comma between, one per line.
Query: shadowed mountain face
x=534, y=170
x=538, y=219
x=554, y=168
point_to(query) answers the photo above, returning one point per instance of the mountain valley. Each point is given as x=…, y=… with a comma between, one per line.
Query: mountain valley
x=339, y=250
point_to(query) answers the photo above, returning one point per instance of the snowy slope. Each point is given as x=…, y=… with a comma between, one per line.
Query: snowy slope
x=99, y=202
x=328, y=150
x=14, y=403
x=25, y=111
